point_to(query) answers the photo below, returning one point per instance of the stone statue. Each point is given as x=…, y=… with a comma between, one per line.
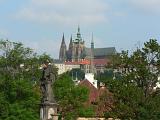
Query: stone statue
x=48, y=110
x=48, y=77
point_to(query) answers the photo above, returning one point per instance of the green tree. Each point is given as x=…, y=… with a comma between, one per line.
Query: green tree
x=71, y=98
x=134, y=94
x=142, y=66
x=19, y=81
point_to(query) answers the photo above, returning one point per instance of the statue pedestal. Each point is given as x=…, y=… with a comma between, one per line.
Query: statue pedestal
x=48, y=111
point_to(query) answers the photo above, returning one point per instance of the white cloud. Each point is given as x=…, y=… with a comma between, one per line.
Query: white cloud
x=147, y=5
x=64, y=12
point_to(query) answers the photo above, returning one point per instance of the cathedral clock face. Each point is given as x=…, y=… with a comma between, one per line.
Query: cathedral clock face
x=50, y=113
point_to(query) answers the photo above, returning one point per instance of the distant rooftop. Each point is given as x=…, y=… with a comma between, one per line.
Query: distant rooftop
x=57, y=61
x=83, y=62
x=101, y=51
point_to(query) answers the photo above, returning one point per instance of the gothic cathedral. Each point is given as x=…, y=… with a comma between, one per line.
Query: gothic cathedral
x=76, y=50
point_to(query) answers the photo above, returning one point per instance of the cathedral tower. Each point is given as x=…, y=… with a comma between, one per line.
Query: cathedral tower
x=70, y=53
x=62, y=53
x=78, y=47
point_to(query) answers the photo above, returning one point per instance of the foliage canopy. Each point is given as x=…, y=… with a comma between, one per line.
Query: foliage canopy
x=19, y=81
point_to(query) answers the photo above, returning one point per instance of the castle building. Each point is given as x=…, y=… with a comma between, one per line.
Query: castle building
x=77, y=52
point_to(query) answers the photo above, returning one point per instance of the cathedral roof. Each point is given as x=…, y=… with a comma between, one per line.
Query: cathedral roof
x=101, y=51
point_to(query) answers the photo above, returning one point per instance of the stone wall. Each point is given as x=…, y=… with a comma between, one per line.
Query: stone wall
x=90, y=118
x=82, y=118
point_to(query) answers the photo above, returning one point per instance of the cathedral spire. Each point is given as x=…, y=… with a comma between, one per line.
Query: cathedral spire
x=62, y=53
x=71, y=39
x=78, y=29
x=92, y=42
x=79, y=35
x=92, y=55
x=63, y=40
x=70, y=43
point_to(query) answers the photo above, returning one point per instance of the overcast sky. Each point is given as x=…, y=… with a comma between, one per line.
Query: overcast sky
x=40, y=24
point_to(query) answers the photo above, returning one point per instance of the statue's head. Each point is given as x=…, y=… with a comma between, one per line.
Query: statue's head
x=45, y=63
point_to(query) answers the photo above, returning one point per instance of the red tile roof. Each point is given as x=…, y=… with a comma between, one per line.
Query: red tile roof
x=102, y=98
x=93, y=92
x=71, y=63
x=87, y=62
x=100, y=61
x=82, y=62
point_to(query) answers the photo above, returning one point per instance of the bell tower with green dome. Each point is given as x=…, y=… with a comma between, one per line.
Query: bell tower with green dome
x=76, y=48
